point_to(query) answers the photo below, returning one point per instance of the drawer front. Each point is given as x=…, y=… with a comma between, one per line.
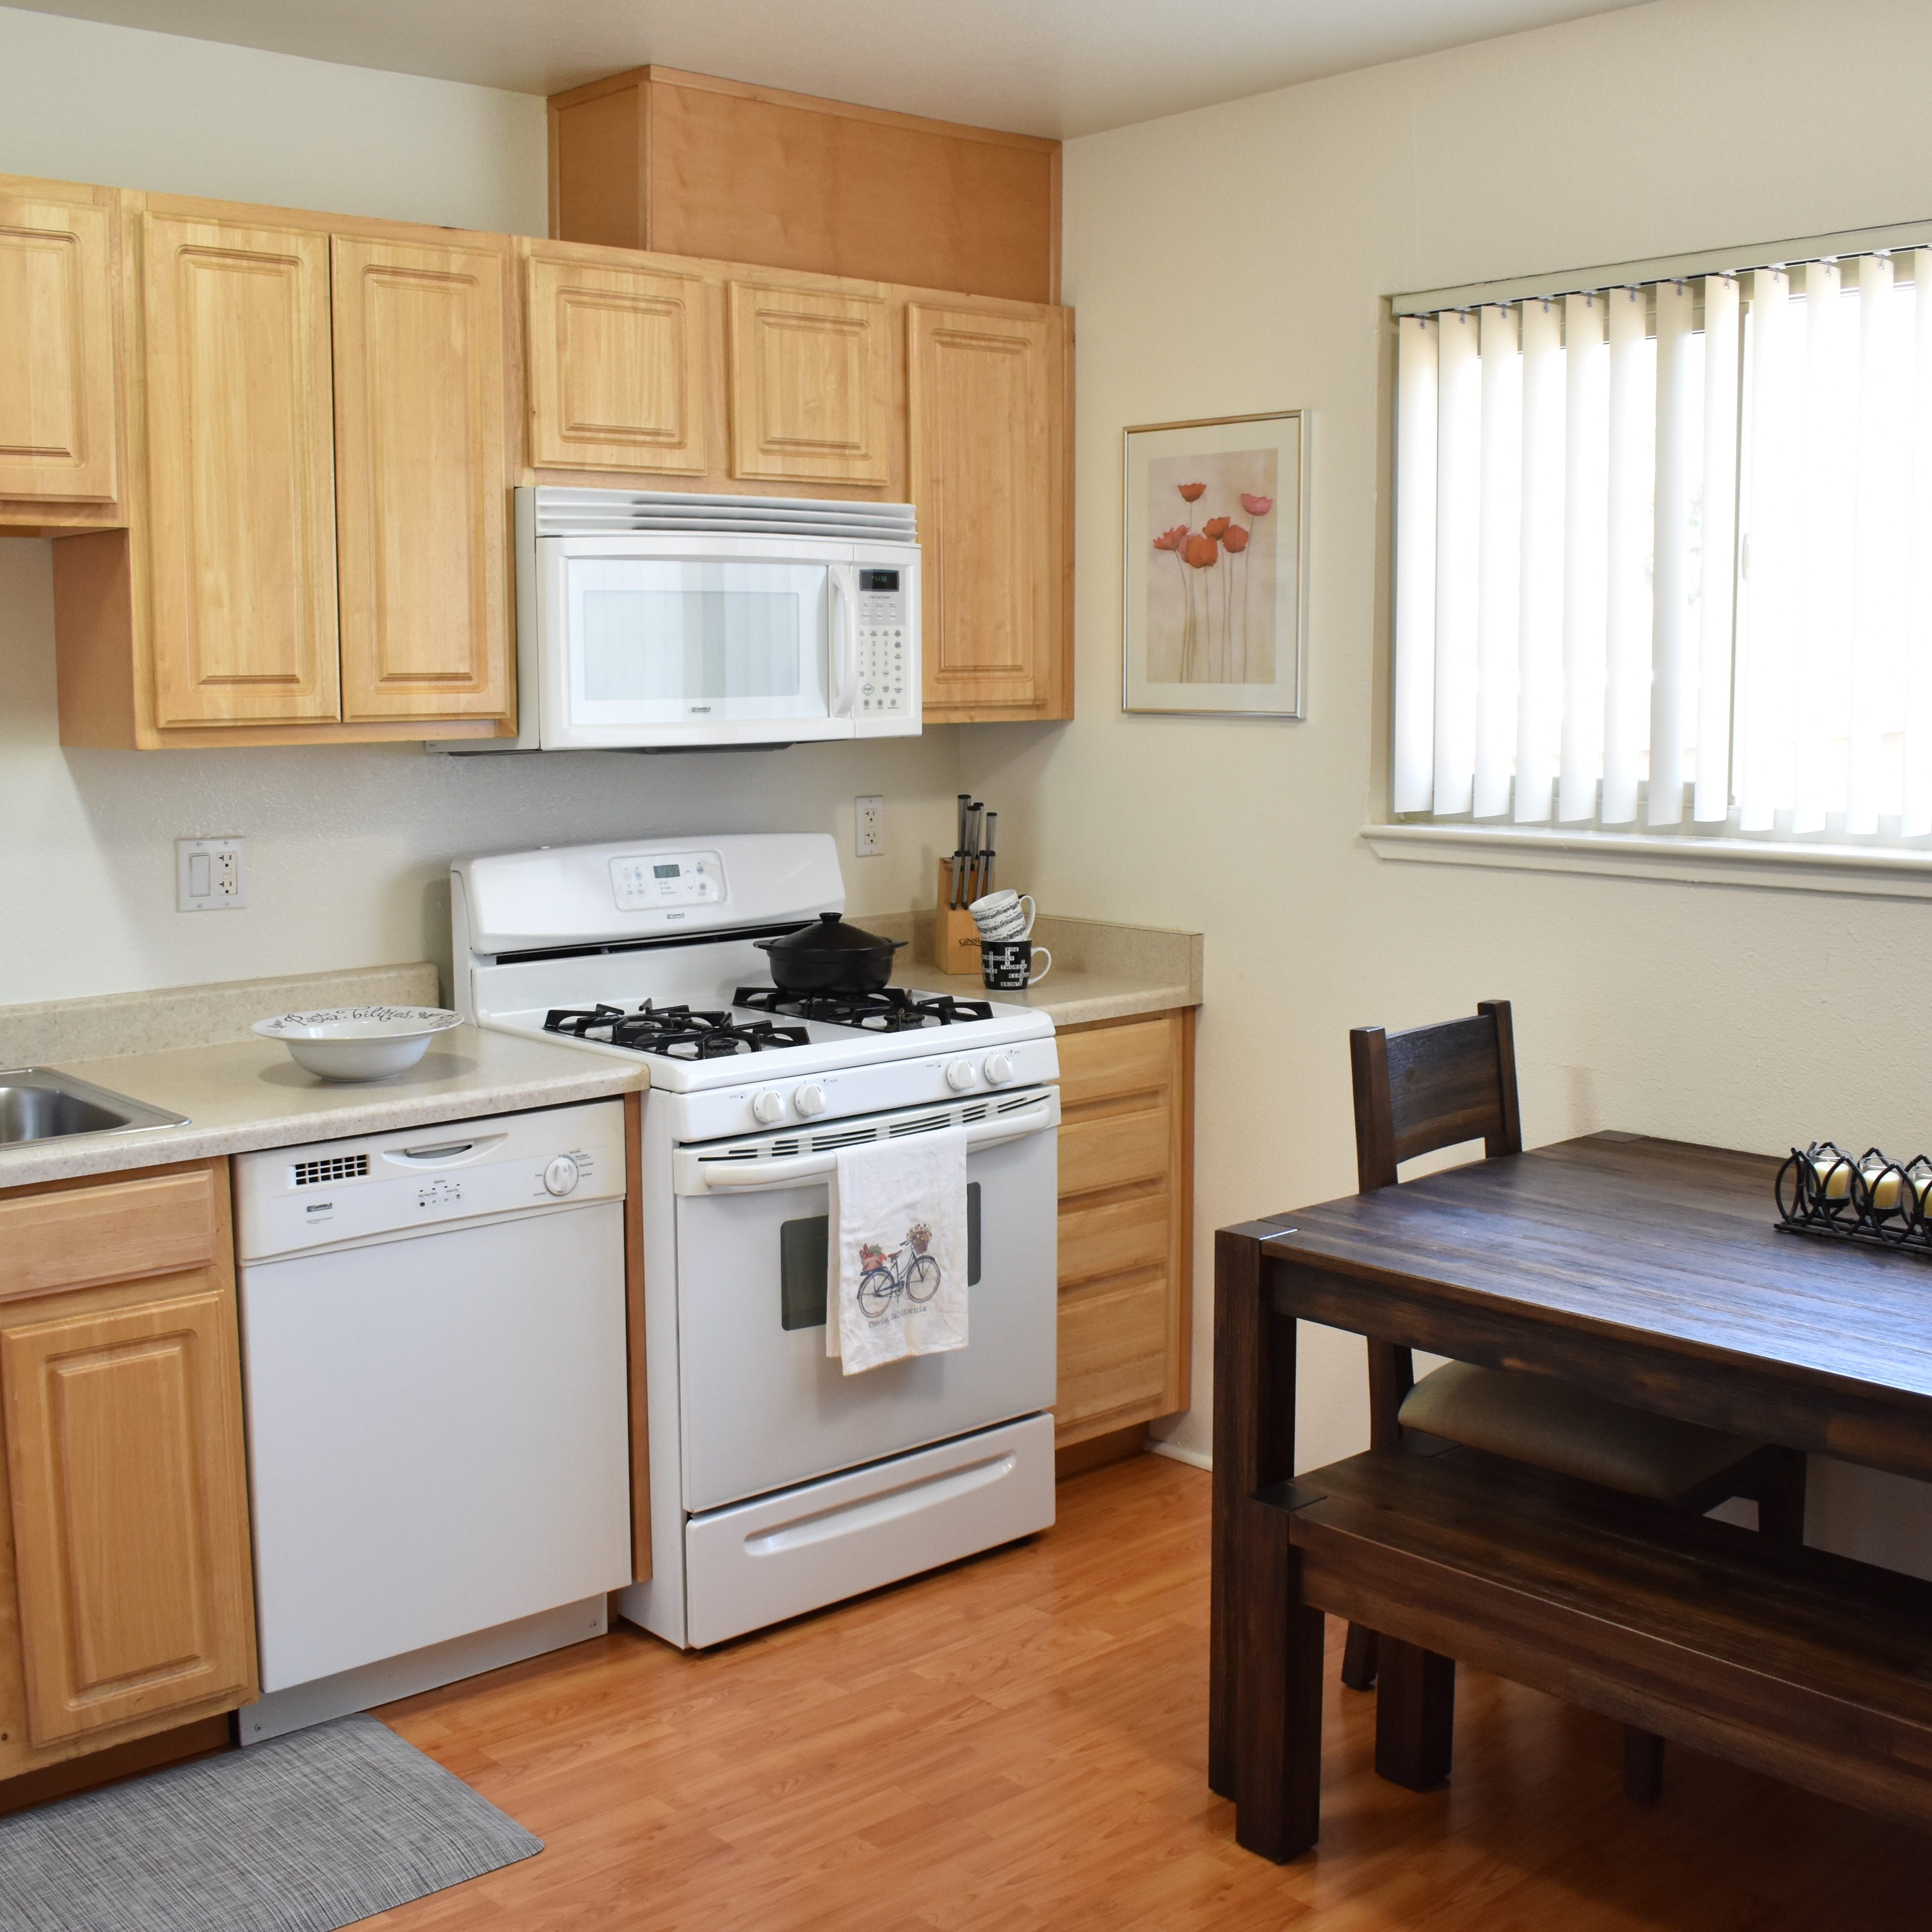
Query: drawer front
x=1113, y=1350
x=115, y=1232
x=1115, y=1236
x=1115, y=1150
x=1111, y=1061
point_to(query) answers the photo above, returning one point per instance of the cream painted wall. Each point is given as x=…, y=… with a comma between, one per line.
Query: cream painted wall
x=348, y=848
x=1232, y=260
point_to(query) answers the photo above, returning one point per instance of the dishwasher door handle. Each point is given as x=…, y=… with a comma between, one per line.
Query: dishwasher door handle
x=444, y=1153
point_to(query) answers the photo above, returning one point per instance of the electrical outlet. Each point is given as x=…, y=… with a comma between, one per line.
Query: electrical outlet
x=210, y=874
x=869, y=836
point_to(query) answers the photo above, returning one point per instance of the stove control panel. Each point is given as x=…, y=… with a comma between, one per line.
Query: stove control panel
x=650, y=880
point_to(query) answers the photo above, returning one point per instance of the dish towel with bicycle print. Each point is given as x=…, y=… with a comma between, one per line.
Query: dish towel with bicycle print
x=897, y=1261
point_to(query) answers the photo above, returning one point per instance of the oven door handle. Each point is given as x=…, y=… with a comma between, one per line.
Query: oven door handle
x=789, y=1170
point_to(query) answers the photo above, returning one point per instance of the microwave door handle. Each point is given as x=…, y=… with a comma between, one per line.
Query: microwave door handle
x=841, y=652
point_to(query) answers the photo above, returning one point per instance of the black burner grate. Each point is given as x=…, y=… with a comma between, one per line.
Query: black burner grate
x=895, y=1010
x=677, y=1033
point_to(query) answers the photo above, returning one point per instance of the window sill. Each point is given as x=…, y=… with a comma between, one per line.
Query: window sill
x=1864, y=871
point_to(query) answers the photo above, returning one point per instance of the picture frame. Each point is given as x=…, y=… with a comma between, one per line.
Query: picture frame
x=1214, y=577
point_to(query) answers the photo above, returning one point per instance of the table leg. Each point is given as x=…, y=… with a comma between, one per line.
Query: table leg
x=1415, y=1714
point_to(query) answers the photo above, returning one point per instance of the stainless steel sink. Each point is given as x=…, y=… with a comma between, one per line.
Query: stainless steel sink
x=37, y=1104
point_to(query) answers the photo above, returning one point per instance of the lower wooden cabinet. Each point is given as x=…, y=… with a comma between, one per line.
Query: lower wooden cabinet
x=126, y=1604
x=1126, y=1187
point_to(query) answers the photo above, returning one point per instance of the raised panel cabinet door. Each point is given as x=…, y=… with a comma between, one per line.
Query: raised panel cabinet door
x=984, y=407
x=812, y=386
x=58, y=418
x=422, y=479
x=125, y=1470
x=241, y=475
x=616, y=367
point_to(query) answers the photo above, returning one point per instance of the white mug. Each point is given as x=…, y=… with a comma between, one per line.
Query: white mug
x=998, y=915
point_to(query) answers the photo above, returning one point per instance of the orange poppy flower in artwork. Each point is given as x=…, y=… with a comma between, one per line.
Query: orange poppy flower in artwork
x=1171, y=539
x=1214, y=526
x=1256, y=506
x=1201, y=552
x=1234, y=539
x=1191, y=492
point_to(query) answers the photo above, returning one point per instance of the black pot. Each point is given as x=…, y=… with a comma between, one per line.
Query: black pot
x=830, y=957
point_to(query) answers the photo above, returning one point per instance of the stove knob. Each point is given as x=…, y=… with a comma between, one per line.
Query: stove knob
x=561, y=1176
x=999, y=1068
x=959, y=1074
x=809, y=1099
x=768, y=1107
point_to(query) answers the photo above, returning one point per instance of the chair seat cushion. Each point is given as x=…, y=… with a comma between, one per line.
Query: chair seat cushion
x=1538, y=1419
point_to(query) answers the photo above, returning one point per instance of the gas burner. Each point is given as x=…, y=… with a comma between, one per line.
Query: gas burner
x=895, y=1010
x=677, y=1033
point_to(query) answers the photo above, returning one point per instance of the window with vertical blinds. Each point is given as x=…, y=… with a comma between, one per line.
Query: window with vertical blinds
x=1664, y=555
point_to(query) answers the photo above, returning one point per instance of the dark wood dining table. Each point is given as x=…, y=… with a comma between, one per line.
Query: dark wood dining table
x=1651, y=1272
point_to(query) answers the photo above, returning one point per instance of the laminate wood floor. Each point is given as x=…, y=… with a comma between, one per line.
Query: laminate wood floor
x=1019, y=1743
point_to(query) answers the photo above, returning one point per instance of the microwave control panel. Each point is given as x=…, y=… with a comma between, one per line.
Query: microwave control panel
x=882, y=642
x=653, y=879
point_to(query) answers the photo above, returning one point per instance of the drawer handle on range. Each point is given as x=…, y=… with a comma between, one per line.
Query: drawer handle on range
x=789, y=1167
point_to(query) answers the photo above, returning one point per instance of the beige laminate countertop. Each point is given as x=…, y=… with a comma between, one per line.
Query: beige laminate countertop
x=247, y=1094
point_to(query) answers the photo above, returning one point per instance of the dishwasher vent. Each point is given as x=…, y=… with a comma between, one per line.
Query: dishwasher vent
x=334, y=1167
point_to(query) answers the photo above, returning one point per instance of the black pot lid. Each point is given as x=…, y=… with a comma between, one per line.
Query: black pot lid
x=830, y=935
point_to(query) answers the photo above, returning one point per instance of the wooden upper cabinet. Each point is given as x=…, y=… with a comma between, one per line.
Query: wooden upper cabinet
x=422, y=479
x=58, y=415
x=985, y=404
x=241, y=484
x=812, y=385
x=617, y=365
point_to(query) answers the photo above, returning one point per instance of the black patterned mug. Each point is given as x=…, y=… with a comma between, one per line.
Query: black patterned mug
x=1007, y=965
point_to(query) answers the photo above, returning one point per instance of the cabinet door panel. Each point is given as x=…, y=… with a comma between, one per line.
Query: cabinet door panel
x=1114, y=1237
x=812, y=396
x=242, y=500
x=57, y=417
x=73, y=1238
x=1115, y=1150
x=1113, y=1353
x=1111, y=1061
x=986, y=449
x=422, y=506
x=124, y=1466
x=616, y=368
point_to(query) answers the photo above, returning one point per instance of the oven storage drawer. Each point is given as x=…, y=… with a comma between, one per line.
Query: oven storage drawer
x=754, y=1563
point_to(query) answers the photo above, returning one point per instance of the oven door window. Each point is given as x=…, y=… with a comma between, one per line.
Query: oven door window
x=653, y=640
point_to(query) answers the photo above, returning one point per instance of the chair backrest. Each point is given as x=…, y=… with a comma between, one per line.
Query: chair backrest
x=1432, y=1087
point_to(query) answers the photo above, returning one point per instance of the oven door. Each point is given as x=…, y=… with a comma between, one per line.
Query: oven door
x=712, y=641
x=762, y=1405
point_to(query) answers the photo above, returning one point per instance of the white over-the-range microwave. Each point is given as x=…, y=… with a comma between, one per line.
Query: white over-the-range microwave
x=648, y=620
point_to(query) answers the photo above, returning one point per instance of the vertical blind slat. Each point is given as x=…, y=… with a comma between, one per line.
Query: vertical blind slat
x=1717, y=570
x=1586, y=513
x=1679, y=453
x=1458, y=479
x=1916, y=808
x=1539, y=634
x=1873, y=547
x=1498, y=561
x=1766, y=617
x=1627, y=604
x=1415, y=565
x=1820, y=515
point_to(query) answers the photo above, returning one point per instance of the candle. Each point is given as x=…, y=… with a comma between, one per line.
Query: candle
x=1882, y=1184
x=1833, y=1173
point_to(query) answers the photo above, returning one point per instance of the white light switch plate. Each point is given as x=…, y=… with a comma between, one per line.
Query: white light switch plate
x=210, y=874
x=869, y=832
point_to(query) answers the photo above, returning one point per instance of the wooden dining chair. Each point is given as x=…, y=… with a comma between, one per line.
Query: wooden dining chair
x=1434, y=1087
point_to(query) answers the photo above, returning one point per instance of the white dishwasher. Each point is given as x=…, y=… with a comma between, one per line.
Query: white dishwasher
x=434, y=1357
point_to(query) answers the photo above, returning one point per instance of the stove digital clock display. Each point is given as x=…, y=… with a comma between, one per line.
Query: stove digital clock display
x=649, y=881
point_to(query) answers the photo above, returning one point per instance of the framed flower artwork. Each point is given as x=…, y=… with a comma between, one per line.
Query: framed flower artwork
x=1215, y=589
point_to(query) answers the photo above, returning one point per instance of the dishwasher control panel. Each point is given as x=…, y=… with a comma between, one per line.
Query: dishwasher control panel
x=292, y=1200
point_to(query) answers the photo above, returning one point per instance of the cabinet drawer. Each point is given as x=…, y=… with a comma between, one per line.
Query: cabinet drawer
x=115, y=1232
x=1112, y=1061
x=1113, y=1349
x=1115, y=1150
x=1115, y=1236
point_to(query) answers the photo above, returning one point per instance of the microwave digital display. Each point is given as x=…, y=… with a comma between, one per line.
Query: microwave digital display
x=878, y=579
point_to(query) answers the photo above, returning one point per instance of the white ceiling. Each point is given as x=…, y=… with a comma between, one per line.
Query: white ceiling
x=1043, y=67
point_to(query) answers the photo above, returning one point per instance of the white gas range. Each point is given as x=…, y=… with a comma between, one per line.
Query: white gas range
x=779, y=1484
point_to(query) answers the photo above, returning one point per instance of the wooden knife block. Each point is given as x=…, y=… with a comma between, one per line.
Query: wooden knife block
x=955, y=939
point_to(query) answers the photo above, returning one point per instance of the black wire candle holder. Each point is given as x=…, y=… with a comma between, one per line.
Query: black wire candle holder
x=1881, y=1202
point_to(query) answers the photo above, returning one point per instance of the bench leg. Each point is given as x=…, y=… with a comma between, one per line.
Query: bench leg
x=1415, y=1714
x=1278, y=1722
x=1643, y=1766
x=1358, y=1658
x=1780, y=1498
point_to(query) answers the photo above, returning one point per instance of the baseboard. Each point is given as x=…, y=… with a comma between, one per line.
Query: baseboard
x=1198, y=1458
x=1097, y=1451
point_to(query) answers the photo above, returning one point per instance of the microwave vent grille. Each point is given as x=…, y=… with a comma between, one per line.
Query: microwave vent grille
x=595, y=513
